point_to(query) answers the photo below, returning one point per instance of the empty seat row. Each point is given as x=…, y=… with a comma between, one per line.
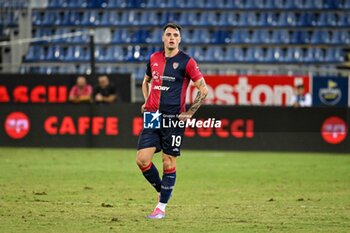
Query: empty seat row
x=200, y=53
x=82, y=69
x=197, y=36
x=9, y=18
x=82, y=53
x=14, y=4
x=201, y=18
x=269, y=55
x=203, y=4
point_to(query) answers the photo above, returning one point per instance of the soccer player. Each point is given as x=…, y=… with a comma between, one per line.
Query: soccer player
x=164, y=88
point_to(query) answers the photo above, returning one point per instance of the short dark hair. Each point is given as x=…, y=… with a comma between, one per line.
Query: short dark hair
x=172, y=25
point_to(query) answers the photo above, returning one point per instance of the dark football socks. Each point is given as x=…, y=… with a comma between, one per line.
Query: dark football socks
x=168, y=183
x=151, y=174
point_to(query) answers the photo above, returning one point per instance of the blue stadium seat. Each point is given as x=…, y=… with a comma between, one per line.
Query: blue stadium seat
x=233, y=19
x=83, y=69
x=179, y=17
x=338, y=54
x=294, y=55
x=287, y=19
x=299, y=4
x=344, y=37
x=214, y=18
x=283, y=36
x=77, y=53
x=54, y=53
x=237, y=54
x=118, y=3
x=321, y=36
x=345, y=18
x=249, y=19
x=214, y=54
x=275, y=55
x=273, y=18
x=201, y=36
x=287, y=4
x=115, y=53
x=101, y=53
x=199, y=53
x=309, y=55
x=33, y=53
x=254, y=54
x=305, y=36
x=340, y=4
x=319, y=54
x=84, y=38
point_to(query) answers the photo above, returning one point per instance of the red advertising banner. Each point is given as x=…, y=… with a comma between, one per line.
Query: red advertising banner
x=259, y=90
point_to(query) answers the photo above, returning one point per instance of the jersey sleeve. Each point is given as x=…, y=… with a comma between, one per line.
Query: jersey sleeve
x=148, y=69
x=192, y=70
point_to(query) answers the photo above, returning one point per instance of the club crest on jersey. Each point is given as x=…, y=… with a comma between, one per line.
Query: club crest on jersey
x=155, y=75
x=175, y=65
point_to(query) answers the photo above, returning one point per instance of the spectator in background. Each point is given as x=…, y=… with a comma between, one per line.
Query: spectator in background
x=301, y=98
x=81, y=92
x=104, y=92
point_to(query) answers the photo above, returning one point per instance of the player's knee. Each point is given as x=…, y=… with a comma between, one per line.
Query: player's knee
x=141, y=161
x=168, y=163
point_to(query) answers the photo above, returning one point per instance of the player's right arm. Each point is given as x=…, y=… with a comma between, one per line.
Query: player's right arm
x=145, y=91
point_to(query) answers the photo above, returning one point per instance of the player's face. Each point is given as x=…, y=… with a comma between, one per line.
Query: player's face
x=171, y=38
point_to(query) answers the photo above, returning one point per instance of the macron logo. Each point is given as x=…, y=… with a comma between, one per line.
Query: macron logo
x=161, y=88
x=151, y=120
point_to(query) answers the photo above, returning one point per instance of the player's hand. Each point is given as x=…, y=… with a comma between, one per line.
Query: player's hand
x=184, y=116
x=143, y=108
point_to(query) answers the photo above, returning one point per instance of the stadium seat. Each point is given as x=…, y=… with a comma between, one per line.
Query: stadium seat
x=233, y=19
x=287, y=19
x=199, y=53
x=254, y=54
x=283, y=36
x=214, y=54
x=201, y=36
x=344, y=37
x=101, y=53
x=237, y=54
x=275, y=55
x=344, y=18
x=115, y=53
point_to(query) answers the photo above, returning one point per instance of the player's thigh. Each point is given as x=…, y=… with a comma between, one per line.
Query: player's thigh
x=172, y=140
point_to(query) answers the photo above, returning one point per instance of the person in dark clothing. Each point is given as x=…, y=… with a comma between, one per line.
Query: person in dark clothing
x=105, y=92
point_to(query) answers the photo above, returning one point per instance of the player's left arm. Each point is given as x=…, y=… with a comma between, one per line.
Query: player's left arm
x=198, y=101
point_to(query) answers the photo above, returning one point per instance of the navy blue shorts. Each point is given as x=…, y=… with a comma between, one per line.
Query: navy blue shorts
x=167, y=139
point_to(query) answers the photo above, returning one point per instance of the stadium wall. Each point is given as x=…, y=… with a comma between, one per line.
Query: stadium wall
x=321, y=129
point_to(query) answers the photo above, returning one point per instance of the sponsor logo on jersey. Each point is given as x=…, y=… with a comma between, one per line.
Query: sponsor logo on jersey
x=155, y=64
x=161, y=88
x=168, y=78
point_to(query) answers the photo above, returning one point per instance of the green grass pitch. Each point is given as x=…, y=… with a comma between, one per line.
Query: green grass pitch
x=102, y=190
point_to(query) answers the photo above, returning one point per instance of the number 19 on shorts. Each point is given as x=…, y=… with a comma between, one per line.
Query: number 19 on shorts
x=176, y=140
